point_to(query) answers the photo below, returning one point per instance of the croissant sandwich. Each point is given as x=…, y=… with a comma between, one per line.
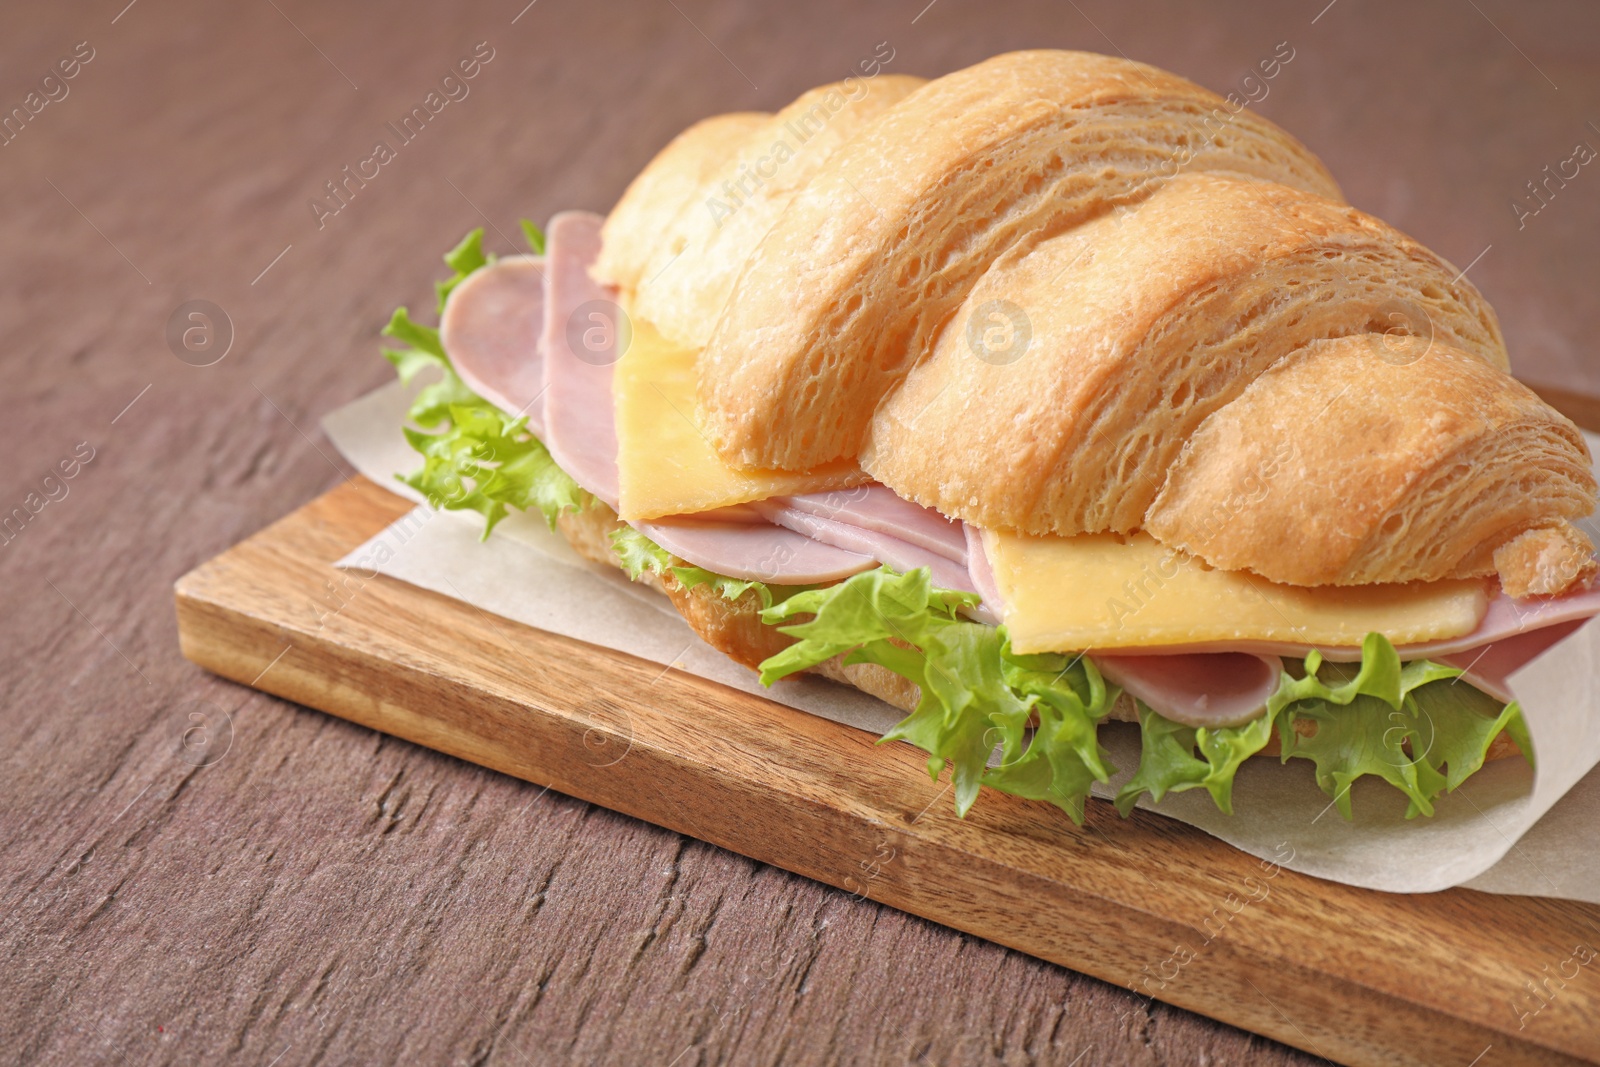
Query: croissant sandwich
x=1050, y=394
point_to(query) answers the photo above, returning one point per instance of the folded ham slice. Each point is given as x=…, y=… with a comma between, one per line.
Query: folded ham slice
x=881, y=510
x=491, y=327
x=1506, y=618
x=580, y=423
x=759, y=552
x=1490, y=668
x=888, y=549
x=1210, y=689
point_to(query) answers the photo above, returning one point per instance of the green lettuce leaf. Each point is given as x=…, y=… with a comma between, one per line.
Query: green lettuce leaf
x=1379, y=676
x=1411, y=725
x=870, y=607
x=478, y=458
x=1068, y=698
x=466, y=257
x=1462, y=722
x=976, y=696
x=640, y=555
x=534, y=236
x=728, y=588
x=966, y=709
x=1167, y=761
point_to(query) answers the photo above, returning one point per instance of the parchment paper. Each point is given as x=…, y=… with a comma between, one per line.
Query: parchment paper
x=1507, y=829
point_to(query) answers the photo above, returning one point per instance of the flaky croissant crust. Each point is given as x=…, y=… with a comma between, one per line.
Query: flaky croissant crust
x=1063, y=293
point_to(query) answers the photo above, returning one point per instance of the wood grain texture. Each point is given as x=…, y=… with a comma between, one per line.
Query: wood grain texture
x=329, y=895
x=1354, y=975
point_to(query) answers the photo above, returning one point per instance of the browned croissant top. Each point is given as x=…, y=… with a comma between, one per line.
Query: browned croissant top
x=1062, y=293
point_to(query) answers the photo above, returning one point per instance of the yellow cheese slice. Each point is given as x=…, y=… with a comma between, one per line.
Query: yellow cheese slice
x=1100, y=591
x=666, y=464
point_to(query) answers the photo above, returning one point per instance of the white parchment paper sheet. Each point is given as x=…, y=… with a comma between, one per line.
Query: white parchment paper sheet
x=1506, y=830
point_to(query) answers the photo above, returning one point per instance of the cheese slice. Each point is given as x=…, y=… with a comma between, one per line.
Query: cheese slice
x=666, y=464
x=1101, y=591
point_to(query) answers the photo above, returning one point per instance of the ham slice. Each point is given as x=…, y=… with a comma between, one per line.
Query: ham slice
x=1507, y=618
x=759, y=552
x=580, y=425
x=982, y=573
x=490, y=329
x=1490, y=668
x=1207, y=689
x=879, y=509
x=900, y=554
x=881, y=547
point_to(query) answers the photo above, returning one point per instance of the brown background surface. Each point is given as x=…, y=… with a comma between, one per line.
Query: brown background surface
x=317, y=893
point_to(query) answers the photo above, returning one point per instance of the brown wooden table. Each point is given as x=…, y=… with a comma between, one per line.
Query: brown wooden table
x=195, y=872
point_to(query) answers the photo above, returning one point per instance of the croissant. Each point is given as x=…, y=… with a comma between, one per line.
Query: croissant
x=1062, y=293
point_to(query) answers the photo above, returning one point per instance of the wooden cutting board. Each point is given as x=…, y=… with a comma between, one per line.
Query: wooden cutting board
x=1353, y=975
